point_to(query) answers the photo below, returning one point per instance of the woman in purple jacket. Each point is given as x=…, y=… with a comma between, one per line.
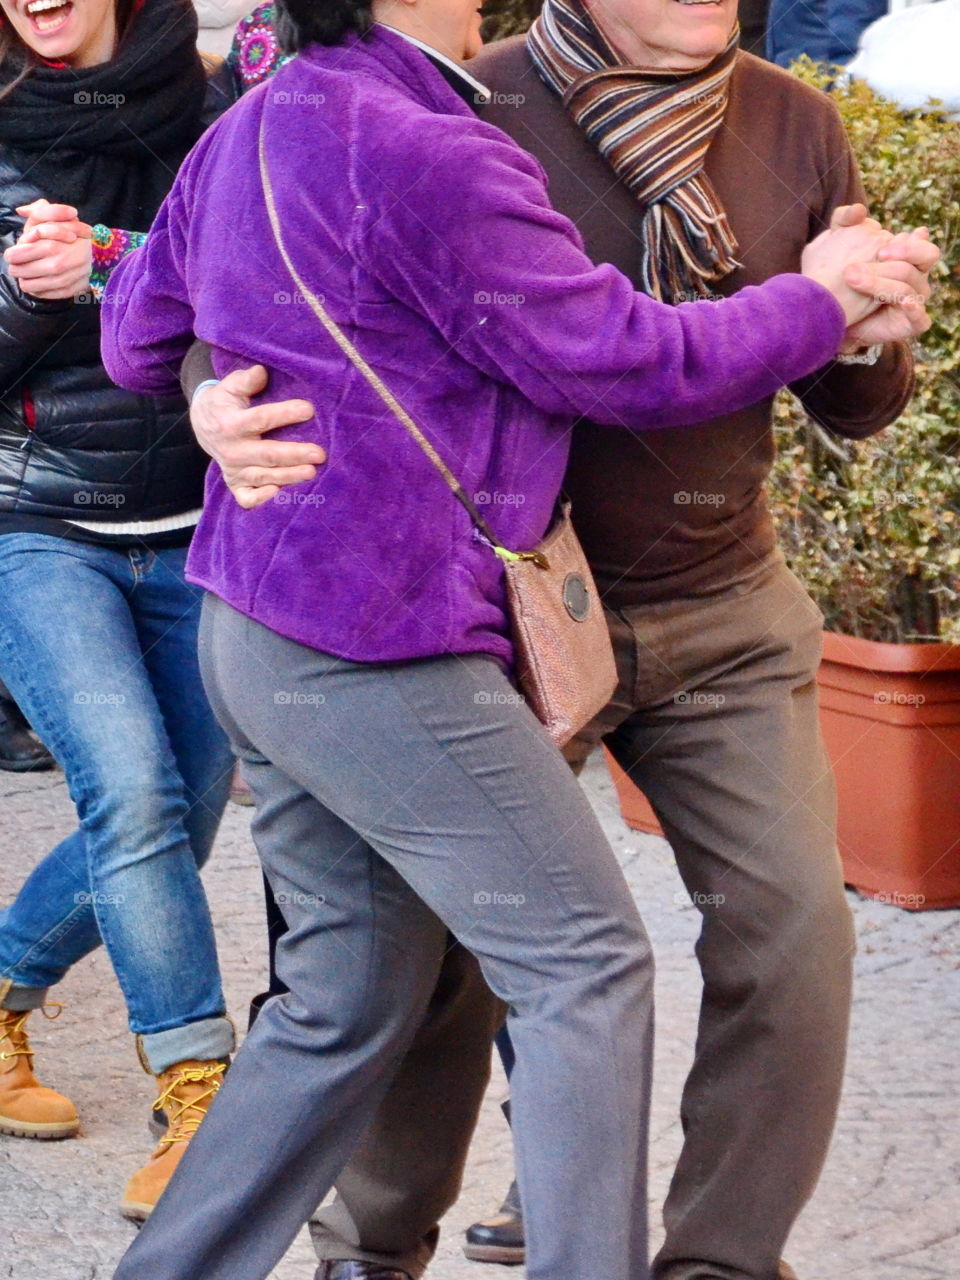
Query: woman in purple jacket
x=355, y=638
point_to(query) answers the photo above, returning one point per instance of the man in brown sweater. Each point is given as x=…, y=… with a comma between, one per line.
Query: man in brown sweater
x=716, y=714
x=718, y=646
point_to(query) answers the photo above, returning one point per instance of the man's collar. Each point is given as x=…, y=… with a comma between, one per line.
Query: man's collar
x=470, y=90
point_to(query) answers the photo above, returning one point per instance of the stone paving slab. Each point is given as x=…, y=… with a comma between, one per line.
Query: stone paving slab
x=888, y=1207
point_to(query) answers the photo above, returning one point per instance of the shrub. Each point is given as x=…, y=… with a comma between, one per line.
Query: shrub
x=873, y=529
x=504, y=18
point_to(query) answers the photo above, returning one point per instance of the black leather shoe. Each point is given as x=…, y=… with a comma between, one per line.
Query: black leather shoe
x=21, y=751
x=350, y=1270
x=500, y=1238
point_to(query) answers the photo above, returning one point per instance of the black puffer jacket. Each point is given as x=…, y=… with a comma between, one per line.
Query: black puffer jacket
x=72, y=444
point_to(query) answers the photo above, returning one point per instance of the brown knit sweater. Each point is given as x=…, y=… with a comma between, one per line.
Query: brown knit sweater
x=676, y=513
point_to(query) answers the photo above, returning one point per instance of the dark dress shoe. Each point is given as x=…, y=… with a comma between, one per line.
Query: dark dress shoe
x=21, y=751
x=350, y=1270
x=500, y=1238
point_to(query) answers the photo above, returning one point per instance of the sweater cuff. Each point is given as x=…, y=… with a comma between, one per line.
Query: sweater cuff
x=832, y=324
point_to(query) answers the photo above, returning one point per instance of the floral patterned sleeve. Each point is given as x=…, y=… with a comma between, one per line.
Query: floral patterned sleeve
x=110, y=244
x=255, y=54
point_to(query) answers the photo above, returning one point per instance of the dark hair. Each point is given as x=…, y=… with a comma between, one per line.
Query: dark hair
x=303, y=22
x=17, y=59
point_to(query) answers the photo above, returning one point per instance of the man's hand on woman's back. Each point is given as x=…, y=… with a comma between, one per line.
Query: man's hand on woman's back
x=231, y=431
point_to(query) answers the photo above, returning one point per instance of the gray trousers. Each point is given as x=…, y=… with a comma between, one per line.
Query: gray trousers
x=716, y=719
x=394, y=803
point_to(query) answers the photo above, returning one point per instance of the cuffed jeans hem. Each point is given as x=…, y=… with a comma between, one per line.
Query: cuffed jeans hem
x=203, y=1041
x=21, y=999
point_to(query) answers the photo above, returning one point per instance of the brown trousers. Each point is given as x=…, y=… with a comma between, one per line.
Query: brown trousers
x=716, y=720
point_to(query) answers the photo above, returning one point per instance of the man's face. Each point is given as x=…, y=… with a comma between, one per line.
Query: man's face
x=680, y=34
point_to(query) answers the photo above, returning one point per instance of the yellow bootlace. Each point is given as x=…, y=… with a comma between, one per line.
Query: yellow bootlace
x=16, y=1031
x=182, y=1126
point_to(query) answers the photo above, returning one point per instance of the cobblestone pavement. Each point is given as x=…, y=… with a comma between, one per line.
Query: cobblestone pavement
x=888, y=1207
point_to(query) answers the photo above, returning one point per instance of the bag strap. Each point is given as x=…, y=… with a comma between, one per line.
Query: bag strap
x=374, y=379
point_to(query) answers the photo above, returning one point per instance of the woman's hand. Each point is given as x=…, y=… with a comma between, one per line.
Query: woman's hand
x=53, y=257
x=42, y=215
x=852, y=241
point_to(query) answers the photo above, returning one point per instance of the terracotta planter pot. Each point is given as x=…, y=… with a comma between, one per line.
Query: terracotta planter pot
x=634, y=805
x=890, y=715
x=891, y=719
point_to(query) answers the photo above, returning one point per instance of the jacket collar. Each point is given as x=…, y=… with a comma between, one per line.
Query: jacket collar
x=470, y=89
x=391, y=57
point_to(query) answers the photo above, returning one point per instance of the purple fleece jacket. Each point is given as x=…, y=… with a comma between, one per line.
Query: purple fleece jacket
x=431, y=238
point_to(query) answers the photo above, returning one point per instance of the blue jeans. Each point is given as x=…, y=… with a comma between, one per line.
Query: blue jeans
x=826, y=30
x=99, y=647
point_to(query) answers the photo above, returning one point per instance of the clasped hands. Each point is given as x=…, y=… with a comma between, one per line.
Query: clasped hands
x=880, y=280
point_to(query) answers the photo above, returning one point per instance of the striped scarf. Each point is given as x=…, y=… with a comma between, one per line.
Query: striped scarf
x=654, y=127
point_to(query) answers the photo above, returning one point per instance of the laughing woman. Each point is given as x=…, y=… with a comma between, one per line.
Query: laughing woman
x=99, y=491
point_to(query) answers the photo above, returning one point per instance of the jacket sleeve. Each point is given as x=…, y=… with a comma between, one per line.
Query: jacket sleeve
x=29, y=327
x=464, y=234
x=852, y=400
x=146, y=319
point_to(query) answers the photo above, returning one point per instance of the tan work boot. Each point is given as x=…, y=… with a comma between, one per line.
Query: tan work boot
x=186, y=1091
x=27, y=1109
